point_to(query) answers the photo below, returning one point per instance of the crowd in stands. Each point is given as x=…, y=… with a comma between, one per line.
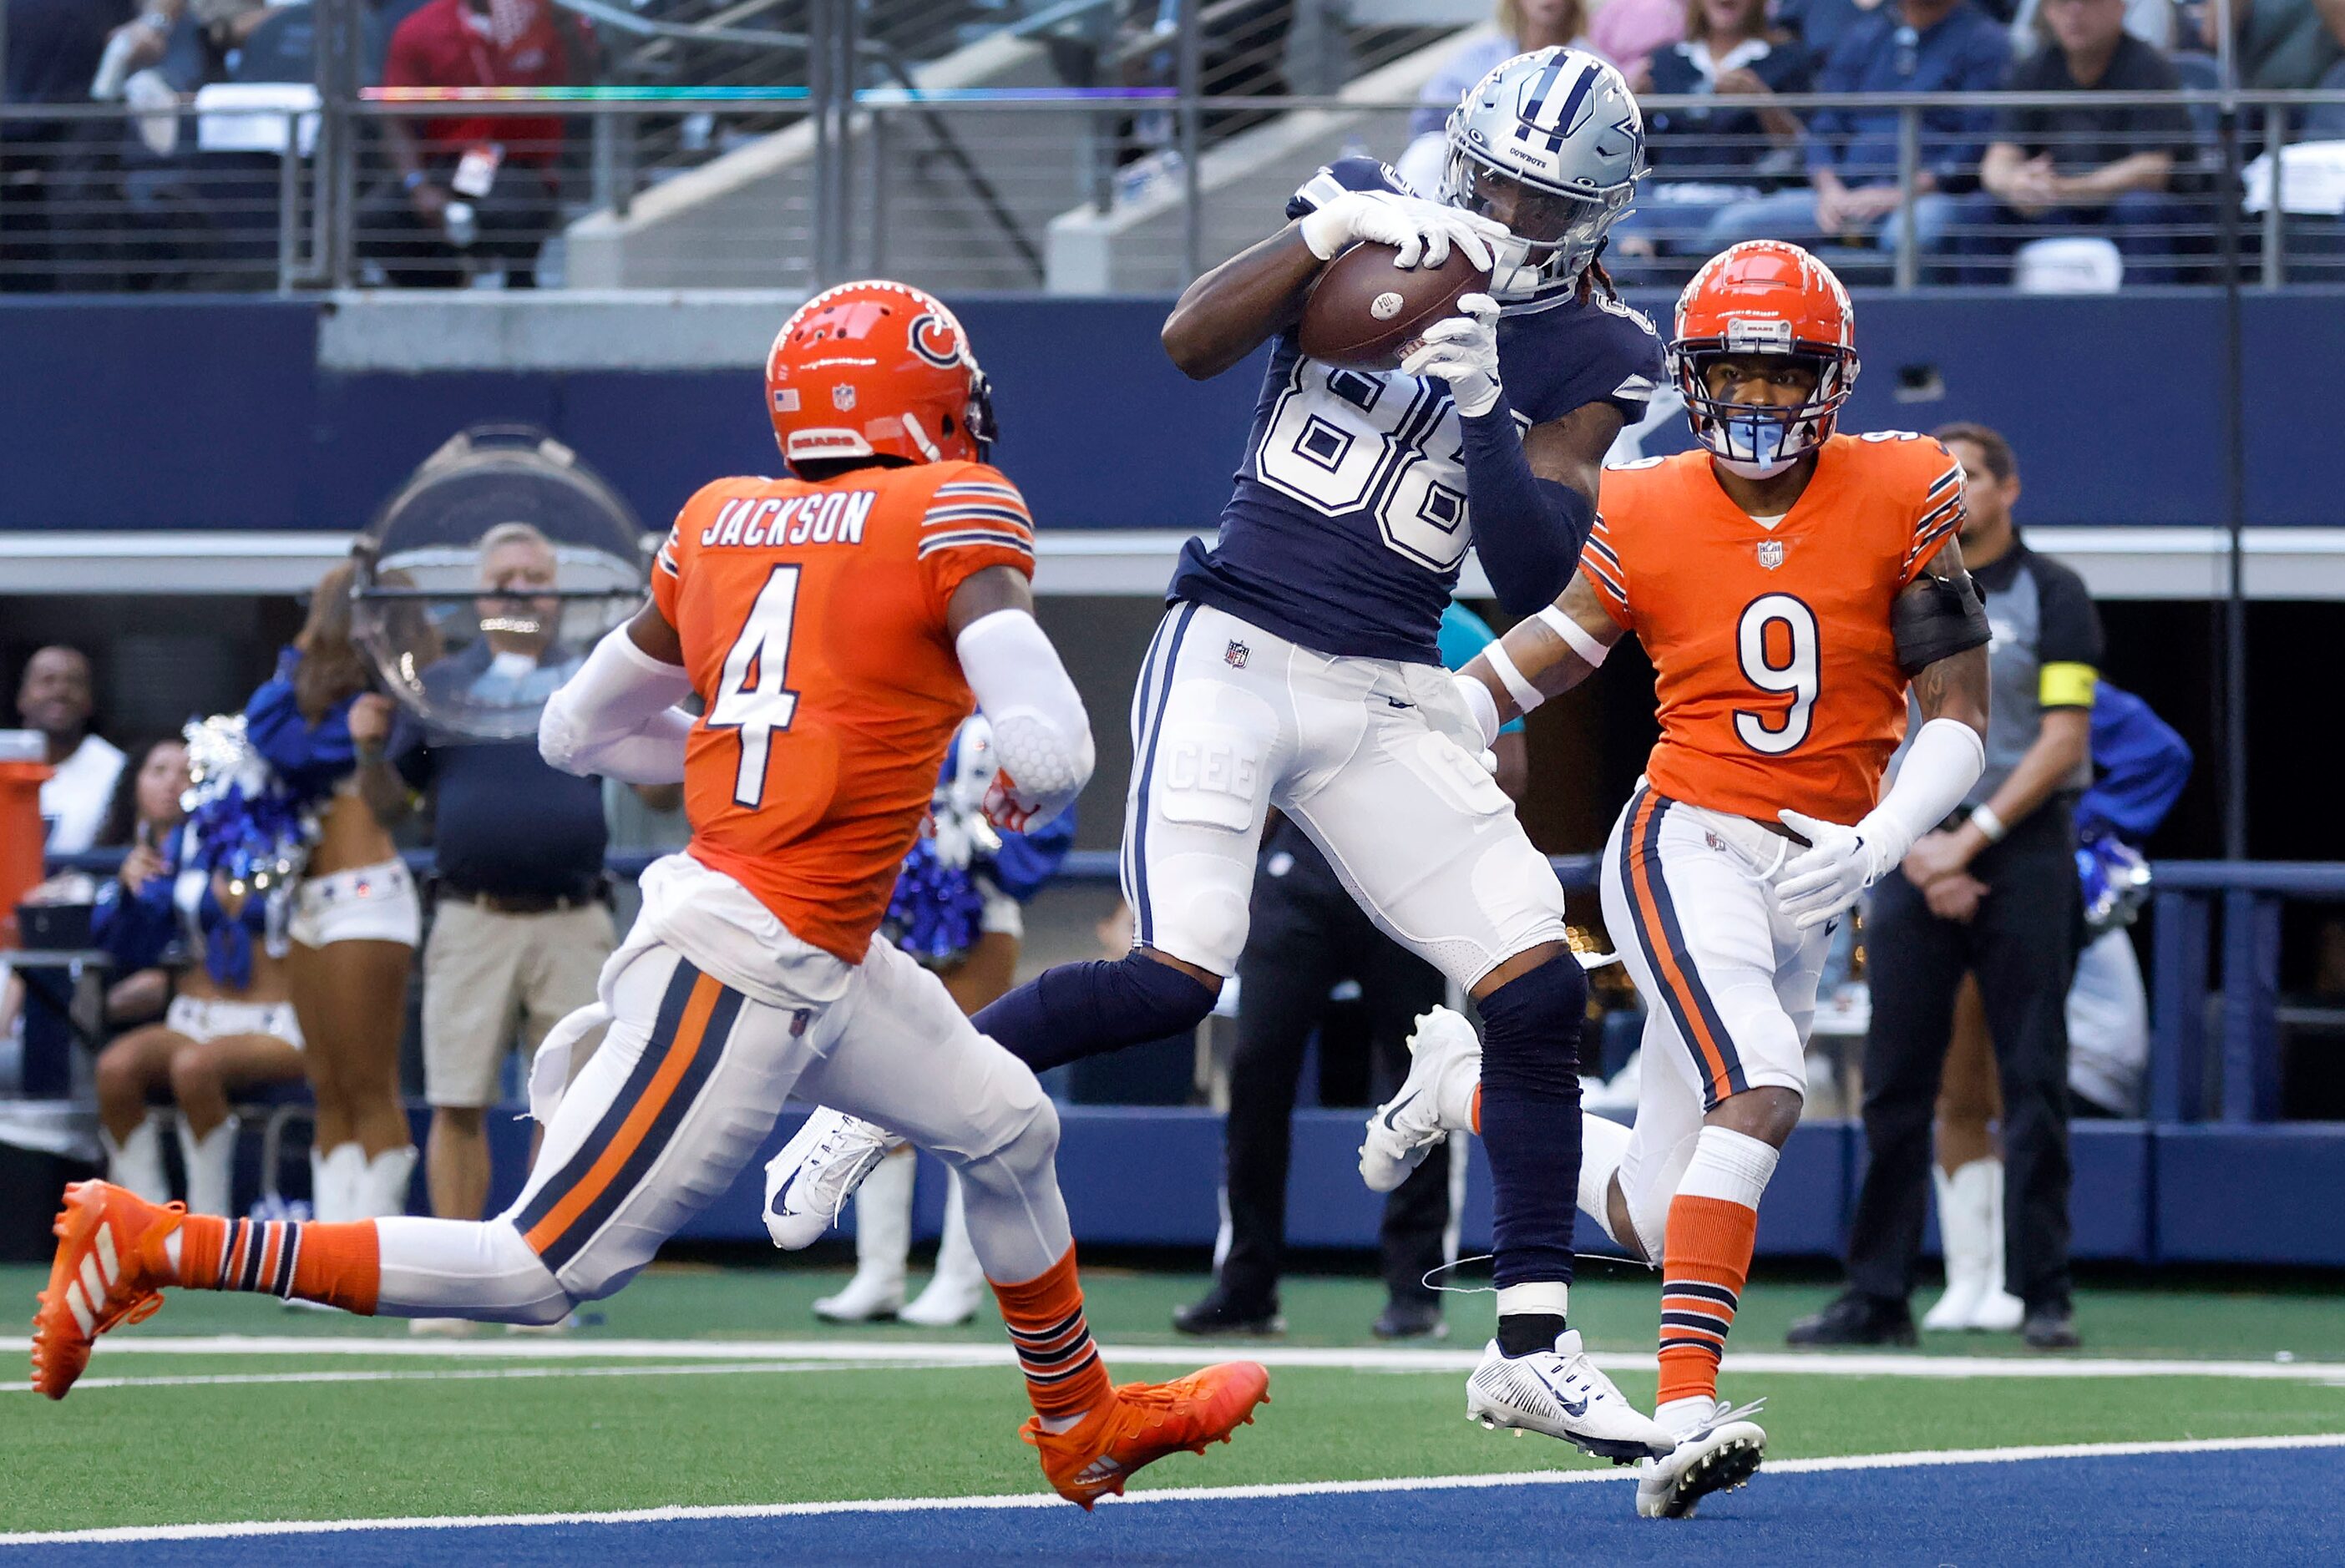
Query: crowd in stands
x=1986, y=182
x=443, y=199
x=192, y=173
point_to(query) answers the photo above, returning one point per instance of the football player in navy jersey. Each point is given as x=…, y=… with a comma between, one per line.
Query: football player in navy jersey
x=1298, y=667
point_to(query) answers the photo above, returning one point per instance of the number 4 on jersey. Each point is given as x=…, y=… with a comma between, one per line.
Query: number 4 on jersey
x=757, y=708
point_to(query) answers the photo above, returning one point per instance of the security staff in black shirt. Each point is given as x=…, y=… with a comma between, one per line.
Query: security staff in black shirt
x=1993, y=892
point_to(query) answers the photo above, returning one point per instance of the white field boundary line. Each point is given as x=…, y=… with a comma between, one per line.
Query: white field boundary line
x=878, y=1353
x=1927, y=1459
x=486, y=1374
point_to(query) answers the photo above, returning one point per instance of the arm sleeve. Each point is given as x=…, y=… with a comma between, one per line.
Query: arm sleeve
x=2068, y=644
x=1040, y=733
x=617, y=717
x=1601, y=564
x=1939, y=514
x=975, y=520
x=1528, y=530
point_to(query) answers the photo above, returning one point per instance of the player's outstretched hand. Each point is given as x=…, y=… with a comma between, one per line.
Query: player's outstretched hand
x=1825, y=879
x=1422, y=231
x=1463, y=350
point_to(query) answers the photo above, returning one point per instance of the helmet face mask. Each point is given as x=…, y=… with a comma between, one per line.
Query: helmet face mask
x=1551, y=145
x=1758, y=439
x=1764, y=300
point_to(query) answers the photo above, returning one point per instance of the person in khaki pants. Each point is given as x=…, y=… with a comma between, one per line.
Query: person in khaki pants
x=523, y=918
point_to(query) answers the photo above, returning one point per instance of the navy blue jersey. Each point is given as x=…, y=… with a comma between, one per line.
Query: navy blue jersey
x=1349, y=522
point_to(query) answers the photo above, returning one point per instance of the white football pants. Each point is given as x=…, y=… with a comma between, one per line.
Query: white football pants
x=1728, y=986
x=684, y=1091
x=1375, y=759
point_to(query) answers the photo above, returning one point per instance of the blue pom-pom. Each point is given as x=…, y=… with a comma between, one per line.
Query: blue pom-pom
x=936, y=908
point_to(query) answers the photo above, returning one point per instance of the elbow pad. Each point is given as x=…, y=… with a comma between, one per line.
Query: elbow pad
x=1935, y=619
x=1042, y=735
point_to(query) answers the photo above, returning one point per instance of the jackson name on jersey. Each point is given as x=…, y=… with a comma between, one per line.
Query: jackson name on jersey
x=1349, y=520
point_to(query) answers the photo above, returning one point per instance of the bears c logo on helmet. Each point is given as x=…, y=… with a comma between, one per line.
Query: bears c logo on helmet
x=936, y=340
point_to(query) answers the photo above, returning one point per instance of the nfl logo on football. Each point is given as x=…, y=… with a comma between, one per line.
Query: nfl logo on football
x=1770, y=553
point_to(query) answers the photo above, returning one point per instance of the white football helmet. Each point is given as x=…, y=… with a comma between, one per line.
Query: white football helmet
x=1551, y=145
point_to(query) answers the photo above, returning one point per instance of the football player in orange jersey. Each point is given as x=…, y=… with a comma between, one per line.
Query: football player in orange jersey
x=1788, y=584
x=836, y=623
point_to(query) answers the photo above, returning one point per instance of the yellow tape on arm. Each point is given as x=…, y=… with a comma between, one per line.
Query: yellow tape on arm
x=2066, y=686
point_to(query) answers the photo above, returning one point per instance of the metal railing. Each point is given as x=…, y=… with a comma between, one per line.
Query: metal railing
x=1067, y=189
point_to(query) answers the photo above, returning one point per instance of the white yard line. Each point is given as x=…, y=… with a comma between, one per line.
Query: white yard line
x=1169, y=1494
x=477, y=1374
x=1364, y=1358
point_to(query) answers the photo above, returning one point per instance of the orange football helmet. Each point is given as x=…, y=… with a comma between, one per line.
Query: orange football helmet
x=876, y=369
x=1765, y=297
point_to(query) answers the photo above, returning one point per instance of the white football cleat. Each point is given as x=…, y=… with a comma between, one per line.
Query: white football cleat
x=1444, y=1054
x=809, y=1183
x=1719, y=1455
x=1561, y=1393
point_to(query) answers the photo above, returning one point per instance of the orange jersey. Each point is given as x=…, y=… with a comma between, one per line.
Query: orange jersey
x=813, y=623
x=1776, y=669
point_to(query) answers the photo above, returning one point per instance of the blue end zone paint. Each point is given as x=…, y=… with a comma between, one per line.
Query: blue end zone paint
x=2236, y=1508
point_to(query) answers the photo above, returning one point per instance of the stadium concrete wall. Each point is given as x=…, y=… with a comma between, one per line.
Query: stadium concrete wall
x=305, y=414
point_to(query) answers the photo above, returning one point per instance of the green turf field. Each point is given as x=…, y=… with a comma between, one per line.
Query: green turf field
x=743, y=1409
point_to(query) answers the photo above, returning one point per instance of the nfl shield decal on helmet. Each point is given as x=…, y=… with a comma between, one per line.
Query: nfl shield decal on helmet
x=842, y=397
x=1770, y=553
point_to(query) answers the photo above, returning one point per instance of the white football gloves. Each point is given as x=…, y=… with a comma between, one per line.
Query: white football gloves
x=1824, y=879
x=1423, y=231
x=1463, y=350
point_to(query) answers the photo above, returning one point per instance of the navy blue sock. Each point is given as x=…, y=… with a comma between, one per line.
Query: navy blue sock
x=1078, y=1010
x=1530, y=1117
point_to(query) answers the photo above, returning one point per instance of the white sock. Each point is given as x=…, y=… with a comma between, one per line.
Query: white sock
x=1729, y=1164
x=1603, y=1145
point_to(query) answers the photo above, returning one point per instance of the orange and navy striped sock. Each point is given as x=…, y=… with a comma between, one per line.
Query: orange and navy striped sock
x=1704, y=1261
x=1064, y=1374
x=338, y=1265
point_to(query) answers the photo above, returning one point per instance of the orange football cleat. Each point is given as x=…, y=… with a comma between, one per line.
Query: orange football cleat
x=1144, y=1422
x=109, y=1265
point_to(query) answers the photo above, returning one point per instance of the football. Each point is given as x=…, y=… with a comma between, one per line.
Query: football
x=1363, y=311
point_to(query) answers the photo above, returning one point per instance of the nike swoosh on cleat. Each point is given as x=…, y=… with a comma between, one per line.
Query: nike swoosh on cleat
x=1395, y=1108
x=781, y=1204
x=1574, y=1409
